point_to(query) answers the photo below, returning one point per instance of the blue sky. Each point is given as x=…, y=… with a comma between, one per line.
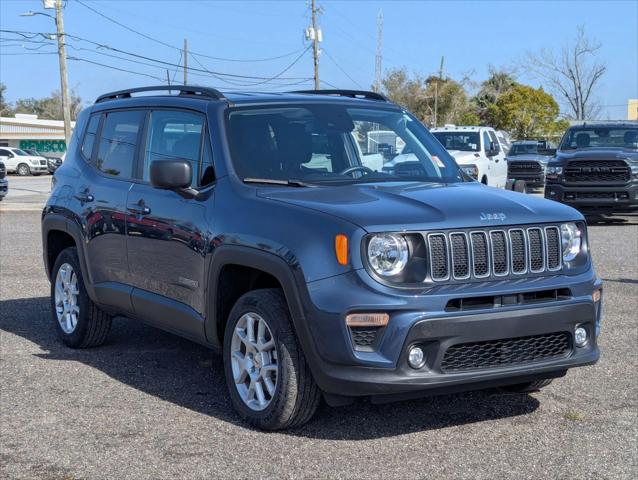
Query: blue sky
x=471, y=36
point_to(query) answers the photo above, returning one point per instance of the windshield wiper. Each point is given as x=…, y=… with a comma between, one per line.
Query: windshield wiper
x=272, y=181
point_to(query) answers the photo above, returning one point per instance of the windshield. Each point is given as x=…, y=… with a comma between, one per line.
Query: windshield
x=22, y=153
x=463, y=141
x=523, y=149
x=328, y=143
x=33, y=153
x=592, y=137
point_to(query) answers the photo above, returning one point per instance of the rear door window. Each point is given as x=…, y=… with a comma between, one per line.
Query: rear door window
x=118, y=143
x=174, y=134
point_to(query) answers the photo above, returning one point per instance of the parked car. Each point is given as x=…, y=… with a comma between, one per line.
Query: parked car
x=53, y=162
x=527, y=161
x=4, y=183
x=313, y=278
x=596, y=169
x=477, y=150
x=20, y=162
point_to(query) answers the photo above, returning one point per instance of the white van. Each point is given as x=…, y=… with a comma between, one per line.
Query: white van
x=477, y=150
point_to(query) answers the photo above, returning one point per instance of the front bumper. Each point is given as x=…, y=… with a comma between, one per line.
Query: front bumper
x=596, y=199
x=421, y=319
x=532, y=179
x=38, y=168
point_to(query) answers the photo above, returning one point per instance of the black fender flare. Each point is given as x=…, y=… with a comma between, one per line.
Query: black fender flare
x=290, y=278
x=55, y=221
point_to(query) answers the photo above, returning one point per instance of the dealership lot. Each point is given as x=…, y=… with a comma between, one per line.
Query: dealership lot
x=151, y=405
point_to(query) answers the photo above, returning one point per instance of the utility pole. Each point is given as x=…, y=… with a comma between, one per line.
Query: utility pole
x=64, y=82
x=185, y=61
x=436, y=93
x=378, y=63
x=316, y=37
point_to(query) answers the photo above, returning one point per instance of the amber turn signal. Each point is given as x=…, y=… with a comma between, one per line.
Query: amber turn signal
x=596, y=296
x=367, y=319
x=341, y=249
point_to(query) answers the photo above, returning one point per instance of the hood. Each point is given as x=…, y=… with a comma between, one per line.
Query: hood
x=423, y=206
x=529, y=157
x=598, y=153
x=463, y=157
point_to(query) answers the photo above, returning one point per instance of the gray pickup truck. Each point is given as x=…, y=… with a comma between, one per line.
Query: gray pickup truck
x=527, y=160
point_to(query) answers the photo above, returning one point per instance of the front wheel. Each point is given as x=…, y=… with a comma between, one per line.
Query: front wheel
x=23, y=170
x=520, y=186
x=268, y=378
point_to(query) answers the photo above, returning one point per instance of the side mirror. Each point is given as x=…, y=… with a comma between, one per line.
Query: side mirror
x=171, y=174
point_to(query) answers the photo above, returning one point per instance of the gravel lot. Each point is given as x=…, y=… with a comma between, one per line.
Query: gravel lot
x=150, y=405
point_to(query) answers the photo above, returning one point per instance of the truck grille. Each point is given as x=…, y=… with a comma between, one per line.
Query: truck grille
x=524, y=167
x=594, y=171
x=509, y=351
x=43, y=162
x=493, y=253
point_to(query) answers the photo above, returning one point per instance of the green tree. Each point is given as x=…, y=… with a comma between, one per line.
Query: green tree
x=498, y=83
x=5, y=107
x=49, y=108
x=527, y=113
x=417, y=94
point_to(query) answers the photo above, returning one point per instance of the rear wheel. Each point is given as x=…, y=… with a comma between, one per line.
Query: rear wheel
x=79, y=322
x=528, y=387
x=23, y=170
x=268, y=378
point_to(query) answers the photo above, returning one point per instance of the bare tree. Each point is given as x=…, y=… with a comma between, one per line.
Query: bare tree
x=573, y=74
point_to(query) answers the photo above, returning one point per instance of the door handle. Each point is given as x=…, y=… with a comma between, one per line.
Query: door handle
x=139, y=208
x=85, y=197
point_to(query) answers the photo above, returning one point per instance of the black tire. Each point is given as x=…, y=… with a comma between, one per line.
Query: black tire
x=484, y=180
x=296, y=396
x=520, y=186
x=509, y=185
x=23, y=170
x=528, y=387
x=93, y=324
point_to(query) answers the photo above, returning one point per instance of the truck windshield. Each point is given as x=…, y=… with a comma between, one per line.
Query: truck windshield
x=523, y=149
x=463, y=141
x=334, y=144
x=600, y=137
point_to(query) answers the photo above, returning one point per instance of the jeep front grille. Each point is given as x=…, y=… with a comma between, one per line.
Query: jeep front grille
x=495, y=253
x=596, y=171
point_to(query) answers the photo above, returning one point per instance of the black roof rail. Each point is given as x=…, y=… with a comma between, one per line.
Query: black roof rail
x=182, y=89
x=347, y=93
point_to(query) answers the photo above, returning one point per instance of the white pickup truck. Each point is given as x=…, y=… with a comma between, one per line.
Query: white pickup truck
x=477, y=150
x=20, y=162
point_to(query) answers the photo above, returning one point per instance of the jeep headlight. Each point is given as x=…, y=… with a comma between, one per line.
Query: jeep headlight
x=388, y=254
x=571, y=241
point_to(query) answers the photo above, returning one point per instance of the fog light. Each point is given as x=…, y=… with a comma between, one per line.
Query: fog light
x=416, y=357
x=580, y=336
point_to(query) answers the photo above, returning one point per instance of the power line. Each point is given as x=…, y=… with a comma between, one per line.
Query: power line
x=78, y=59
x=161, y=42
x=339, y=67
x=162, y=62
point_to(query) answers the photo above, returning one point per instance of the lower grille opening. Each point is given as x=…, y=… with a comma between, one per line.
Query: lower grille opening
x=497, y=301
x=365, y=338
x=509, y=351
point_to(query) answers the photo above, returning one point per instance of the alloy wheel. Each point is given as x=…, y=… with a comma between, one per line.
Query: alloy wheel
x=254, y=361
x=66, y=298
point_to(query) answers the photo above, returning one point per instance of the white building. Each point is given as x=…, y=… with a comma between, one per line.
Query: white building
x=30, y=132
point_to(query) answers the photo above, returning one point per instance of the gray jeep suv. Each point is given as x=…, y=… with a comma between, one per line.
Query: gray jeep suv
x=263, y=225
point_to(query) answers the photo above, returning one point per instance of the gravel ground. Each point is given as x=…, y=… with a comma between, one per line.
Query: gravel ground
x=150, y=405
